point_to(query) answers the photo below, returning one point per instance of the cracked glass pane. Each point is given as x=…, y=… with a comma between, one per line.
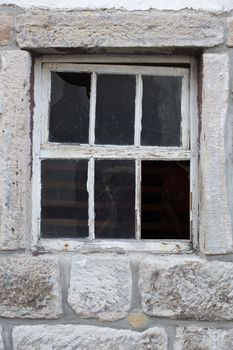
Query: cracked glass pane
x=69, y=108
x=64, y=198
x=165, y=200
x=161, y=111
x=115, y=108
x=115, y=199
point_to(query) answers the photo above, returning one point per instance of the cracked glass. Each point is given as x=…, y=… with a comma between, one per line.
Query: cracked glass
x=114, y=199
x=69, y=107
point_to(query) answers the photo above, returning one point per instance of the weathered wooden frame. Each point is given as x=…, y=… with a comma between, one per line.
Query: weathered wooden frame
x=42, y=149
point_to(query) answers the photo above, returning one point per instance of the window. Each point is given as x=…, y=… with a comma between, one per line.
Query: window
x=113, y=158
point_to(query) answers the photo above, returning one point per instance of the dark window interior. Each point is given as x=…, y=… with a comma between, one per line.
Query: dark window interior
x=69, y=108
x=165, y=200
x=115, y=109
x=115, y=199
x=64, y=204
x=161, y=111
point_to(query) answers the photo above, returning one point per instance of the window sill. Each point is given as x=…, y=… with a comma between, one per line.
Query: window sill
x=84, y=245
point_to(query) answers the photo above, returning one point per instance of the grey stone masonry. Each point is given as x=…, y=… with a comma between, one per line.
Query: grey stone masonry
x=195, y=338
x=130, y=29
x=230, y=31
x=216, y=214
x=186, y=288
x=226, y=339
x=6, y=29
x=29, y=287
x=15, y=69
x=1, y=340
x=60, y=337
x=100, y=287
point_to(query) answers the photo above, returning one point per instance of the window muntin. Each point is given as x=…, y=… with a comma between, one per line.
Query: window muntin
x=136, y=152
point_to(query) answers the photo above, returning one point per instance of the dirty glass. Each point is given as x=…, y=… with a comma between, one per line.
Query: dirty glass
x=165, y=200
x=69, y=107
x=115, y=109
x=161, y=111
x=115, y=199
x=64, y=198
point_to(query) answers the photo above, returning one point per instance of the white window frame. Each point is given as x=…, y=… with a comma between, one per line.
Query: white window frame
x=42, y=149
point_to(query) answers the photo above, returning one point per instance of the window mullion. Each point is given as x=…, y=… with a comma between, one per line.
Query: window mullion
x=138, y=199
x=185, y=112
x=92, y=109
x=138, y=111
x=46, y=97
x=91, y=198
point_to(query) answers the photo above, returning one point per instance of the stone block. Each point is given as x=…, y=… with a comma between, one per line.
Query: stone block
x=29, y=287
x=216, y=188
x=6, y=29
x=118, y=29
x=62, y=337
x=100, y=287
x=226, y=339
x=15, y=69
x=1, y=340
x=194, y=338
x=186, y=288
x=230, y=31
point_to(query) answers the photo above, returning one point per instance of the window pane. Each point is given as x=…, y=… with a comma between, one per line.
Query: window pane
x=165, y=200
x=115, y=109
x=161, y=111
x=69, y=110
x=64, y=198
x=115, y=199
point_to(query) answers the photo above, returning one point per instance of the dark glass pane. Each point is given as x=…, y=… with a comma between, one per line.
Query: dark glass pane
x=165, y=200
x=64, y=198
x=69, y=109
x=115, y=109
x=115, y=199
x=161, y=111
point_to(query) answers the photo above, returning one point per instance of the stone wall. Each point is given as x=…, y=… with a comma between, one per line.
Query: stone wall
x=116, y=300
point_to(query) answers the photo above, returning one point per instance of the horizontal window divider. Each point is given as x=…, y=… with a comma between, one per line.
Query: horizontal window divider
x=113, y=69
x=106, y=59
x=153, y=246
x=58, y=151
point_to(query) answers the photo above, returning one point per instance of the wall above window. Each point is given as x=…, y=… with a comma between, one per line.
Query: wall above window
x=45, y=31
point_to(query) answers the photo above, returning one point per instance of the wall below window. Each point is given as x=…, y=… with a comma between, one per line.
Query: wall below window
x=211, y=5
x=115, y=299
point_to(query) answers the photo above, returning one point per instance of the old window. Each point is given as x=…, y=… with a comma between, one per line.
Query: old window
x=112, y=155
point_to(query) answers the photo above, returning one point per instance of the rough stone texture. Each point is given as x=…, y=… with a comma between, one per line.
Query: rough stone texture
x=115, y=29
x=226, y=339
x=216, y=212
x=194, y=338
x=187, y=288
x=230, y=31
x=6, y=24
x=15, y=68
x=60, y=337
x=100, y=287
x=211, y=5
x=1, y=340
x=29, y=287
